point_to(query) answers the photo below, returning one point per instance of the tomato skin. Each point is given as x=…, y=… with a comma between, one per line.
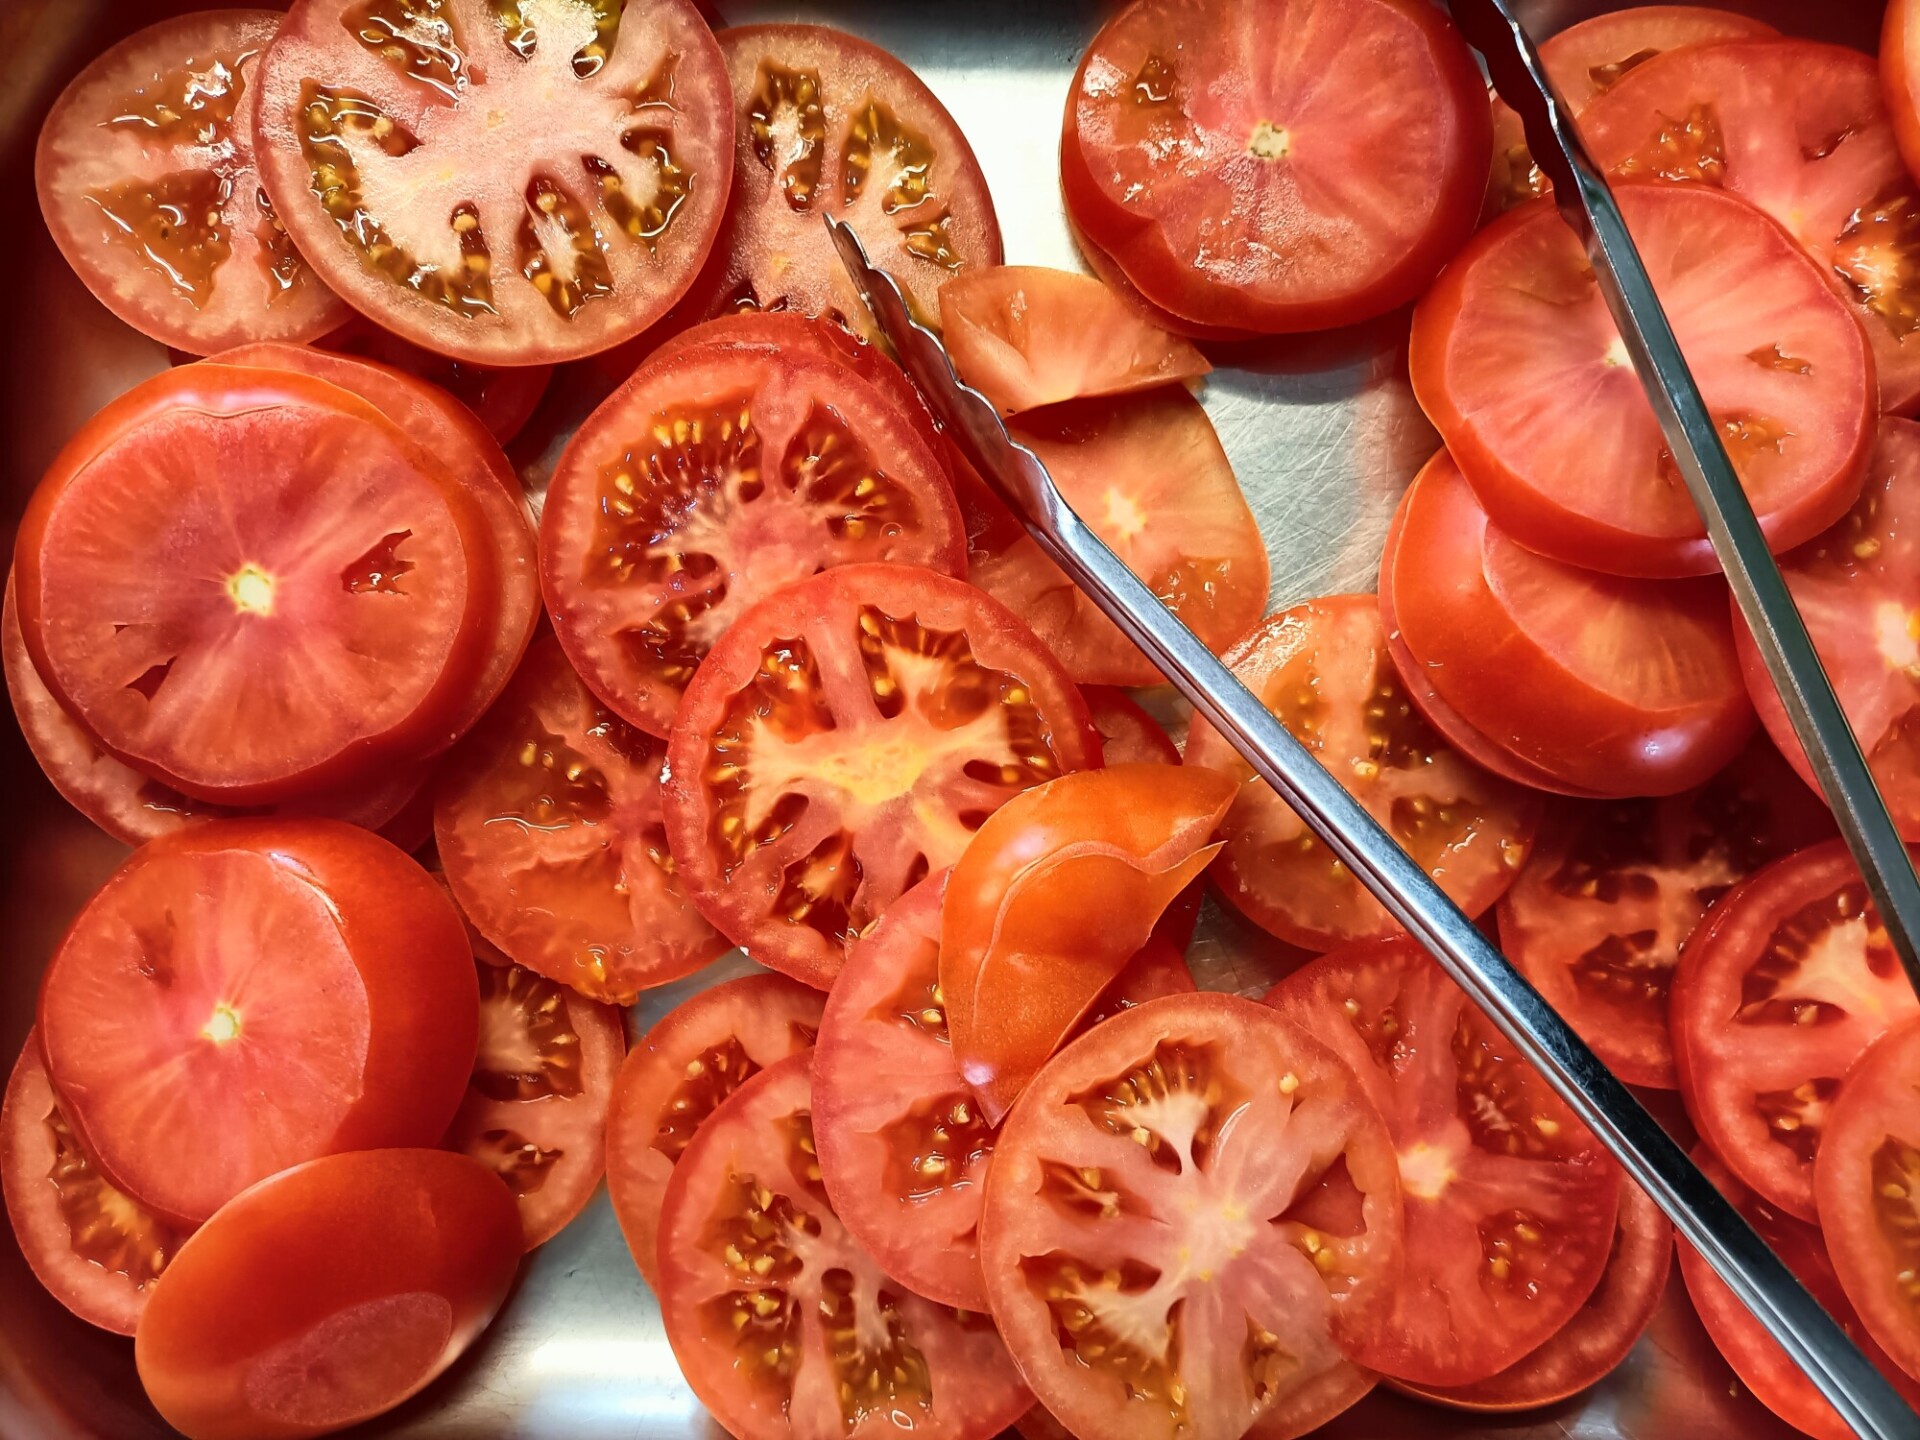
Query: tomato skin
x=327, y=1294
x=1899, y=67
x=501, y=399
x=1128, y=734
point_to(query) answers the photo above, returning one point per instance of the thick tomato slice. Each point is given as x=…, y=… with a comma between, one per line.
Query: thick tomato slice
x=97, y=1250
x=903, y=1143
x=327, y=1294
x=1148, y=475
x=1056, y=892
x=1191, y=1215
x=1781, y=988
x=826, y=124
x=1128, y=734
x=502, y=399
x=1230, y=148
x=1517, y=362
x=844, y=740
x=146, y=176
x=508, y=185
x=1610, y=686
x=1798, y=129
x=783, y=1325
x=549, y=825
x=243, y=995
x=1323, y=669
x=672, y=1081
x=709, y=480
x=1614, y=888
x=1026, y=336
x=1511, y=1204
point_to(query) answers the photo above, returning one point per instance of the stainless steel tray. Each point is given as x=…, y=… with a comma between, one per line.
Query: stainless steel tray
x=1324, y=434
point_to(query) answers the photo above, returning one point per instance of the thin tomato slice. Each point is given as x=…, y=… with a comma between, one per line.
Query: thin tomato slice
x=672, y=1081
x=1517, y=361
x=844, y=740
x=147, y=182
x=502, y=399
x=1128, y=734
x=549, y=825
x=1511, y=1203
x=782, y=1324
x=1322, y=668
x=1782, y=987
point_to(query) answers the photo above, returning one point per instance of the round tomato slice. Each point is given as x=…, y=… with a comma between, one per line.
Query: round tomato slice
x=1782, y=987
x=146, y=176
x=844, y=740
x=709, y=480
x=700, y=1053
x=1128, y=734
x=502, y=399
x=1511, y=1204
x=1190, y=1216
x=1798, y=129
x=1516, y=330
x=826, y=124
x=782, y=1324
x=1323, y=669
x=1614, y=888
x=97, y=1250
x=243, y=995
x=1610, y=686
x=328, y=1294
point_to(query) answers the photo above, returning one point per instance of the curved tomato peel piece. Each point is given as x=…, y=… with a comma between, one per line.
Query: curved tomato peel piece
x=1056, y=891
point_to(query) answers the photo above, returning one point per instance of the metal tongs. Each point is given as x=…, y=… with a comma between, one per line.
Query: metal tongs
x=1649, y=1155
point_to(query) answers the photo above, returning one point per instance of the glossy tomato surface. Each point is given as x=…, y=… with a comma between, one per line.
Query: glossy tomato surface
x=1900, y=76
x=502, y=399
x=1128, y=734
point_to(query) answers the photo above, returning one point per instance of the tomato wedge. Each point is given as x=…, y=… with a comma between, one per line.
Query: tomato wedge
x=782, y=1324
x=1516, y=331
x=502, y=399
x=844, y=740
x=1782, y=987
x=1511, y=1203
x=1128, y=734
x=1322, y=668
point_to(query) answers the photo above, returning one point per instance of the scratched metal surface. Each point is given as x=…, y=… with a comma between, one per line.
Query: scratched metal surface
x=1323, y=433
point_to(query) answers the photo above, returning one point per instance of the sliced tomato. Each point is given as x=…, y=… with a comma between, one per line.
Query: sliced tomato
x=147, y=181
x=782, y=1324
x=1056, y=892
x=1799, y=129
x=1128, y=734
x=1230, y=149
x=1516, y=360
x=549, y=825
x=1323, y=669
x=328, y=1294
x=826, y=124
x=672, y=1081
x=844, y=740
x=1900, y=76
x=243, y=995
x=1148, y=475
x=502, y=399
x=712, y=478
x=1614, y=888
x=1782, y=987
x=1609, y=686
x=1511, y=1204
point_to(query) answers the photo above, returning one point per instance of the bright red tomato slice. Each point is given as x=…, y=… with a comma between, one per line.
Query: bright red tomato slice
x=1190, y=1216
x=700, y=1053
x=1323, y=669
x=502, y=186
x=782, y=1324
x=1026, y=336
x=1782, y=987
x=1128, y=734
x=1518, y=363
x=503, y=400
x=328, y=1294
x=1610, y=686
x=1614, y=888
x=844, y=740
x=1511, y=1203
x=709, y=480
x=549, y=826
x=1229, y=150
x=826, y=124
x=244, y=995
x=146, y=176
x=1798, y=129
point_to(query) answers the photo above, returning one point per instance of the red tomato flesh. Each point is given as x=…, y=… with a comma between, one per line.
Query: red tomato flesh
x=1128, y=734
x=501, y=399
